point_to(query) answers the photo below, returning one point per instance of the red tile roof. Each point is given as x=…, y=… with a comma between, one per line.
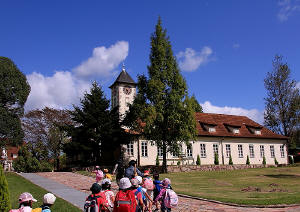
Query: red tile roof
x=221, y=122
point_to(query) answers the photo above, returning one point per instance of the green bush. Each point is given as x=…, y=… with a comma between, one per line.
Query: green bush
x=4, y=193
x=230, y=160
x=275, y=161
x=198, y=162
x=216, y=161
x=178, y=163
x=46, y=166
x=248, y=160
x=264, y=161
x=157, y=161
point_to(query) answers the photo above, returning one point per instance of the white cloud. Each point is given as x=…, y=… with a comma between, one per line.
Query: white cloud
x=287, y=8
x=298, y=85
x=190, y=60
x=236, y=46
x=103, y=61
x=58, y=91
x=65, y=88
x=253, y=114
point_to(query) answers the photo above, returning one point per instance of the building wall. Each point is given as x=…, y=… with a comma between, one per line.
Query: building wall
x=208, y=158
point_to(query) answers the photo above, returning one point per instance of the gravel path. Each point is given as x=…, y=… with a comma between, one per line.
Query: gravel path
x=83, y=183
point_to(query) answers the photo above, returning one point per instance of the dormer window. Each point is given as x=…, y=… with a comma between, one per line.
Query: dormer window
x=257, y=132
x=211, y=129
x=235, y=130
x=208, y=127
x=254, y=130
x=232, y=129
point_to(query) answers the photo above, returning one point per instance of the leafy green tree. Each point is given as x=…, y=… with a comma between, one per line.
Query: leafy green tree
x=4, y=193
x=248, y=160
x=216, y=159
x=275, y=161
x=230, y=160
x=282, y=104
x=162, y=101
x=195, y=104
x=14, y=90
x=97, y=131
x=198, y=162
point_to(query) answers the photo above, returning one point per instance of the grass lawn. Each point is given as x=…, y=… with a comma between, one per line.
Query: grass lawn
x=18, y=185
x=267, y=186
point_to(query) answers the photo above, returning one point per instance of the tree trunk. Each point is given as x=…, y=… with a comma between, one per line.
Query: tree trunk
x=57, y=163
x=165, y=170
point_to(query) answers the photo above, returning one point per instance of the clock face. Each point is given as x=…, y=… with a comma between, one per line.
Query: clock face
x=127, y=90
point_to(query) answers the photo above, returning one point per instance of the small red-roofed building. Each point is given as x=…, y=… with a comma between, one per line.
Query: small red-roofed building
x=8, y=155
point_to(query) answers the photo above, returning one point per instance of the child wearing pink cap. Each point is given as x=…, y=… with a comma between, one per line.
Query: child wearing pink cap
x=99, y=174
x=25, y=203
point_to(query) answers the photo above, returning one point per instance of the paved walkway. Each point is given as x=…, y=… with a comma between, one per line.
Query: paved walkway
x=83, y=183
x=65, y=192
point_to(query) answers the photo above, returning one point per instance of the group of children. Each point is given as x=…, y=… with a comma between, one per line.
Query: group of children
x=26, y=200
x=135, y=195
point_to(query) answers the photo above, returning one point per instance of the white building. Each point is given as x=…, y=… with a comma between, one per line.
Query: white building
x=225, y=135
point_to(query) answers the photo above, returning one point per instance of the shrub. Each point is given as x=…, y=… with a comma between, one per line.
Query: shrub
x=157, y=161
x=216, y=161
x=46, y=167
x=276, y=162
x=198, y=162
x=4, y=193
x=248, y=160
x=178, y=163
x=264, y=161
x=230, y=160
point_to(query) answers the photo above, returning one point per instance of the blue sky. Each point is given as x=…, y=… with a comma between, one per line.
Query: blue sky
x=224, y=48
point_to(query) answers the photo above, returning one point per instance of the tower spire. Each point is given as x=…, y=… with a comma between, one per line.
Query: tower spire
x=123, y=67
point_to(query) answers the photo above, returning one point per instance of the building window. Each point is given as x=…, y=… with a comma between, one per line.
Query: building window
x=144, y=149
x=251, y=150
x=211, y=129
x=282, y=151
x=160, y=152
x=272, y=151
x=130, y=148
x=228, y=150
x=262, y=151
x=257, y=132
x=240, y=150
x=216, y=149
x=236, y=131
x=203, y=150
x=189, y=151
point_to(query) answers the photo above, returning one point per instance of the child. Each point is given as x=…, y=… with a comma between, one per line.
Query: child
x=107, y=175
x=143, y=191
x=166, y=184
x=125, y=199
x=97, y=200
x=138, y=195
x=25, y=203
x=110, y=197
x=157, y=183
x=99, y=174
x=48, y=201
x=148, y=185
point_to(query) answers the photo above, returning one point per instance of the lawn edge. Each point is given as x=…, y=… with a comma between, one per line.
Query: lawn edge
x=239, y=205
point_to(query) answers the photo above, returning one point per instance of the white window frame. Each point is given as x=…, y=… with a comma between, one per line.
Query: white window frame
x=216, y=148
x=160, y=152
x=240, y=150
x=203, y=150
x=211, y=129
x=189, y=151
x=228, y=150
x=282, y=151
x=130, y=148
x=262, y=151
x=251, y=151
x=272, y=151
x=144, y=148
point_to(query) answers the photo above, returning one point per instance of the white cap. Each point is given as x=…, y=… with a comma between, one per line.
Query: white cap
x=49, y=199
x=107, y=181
x=124, y=183
x=139, y=178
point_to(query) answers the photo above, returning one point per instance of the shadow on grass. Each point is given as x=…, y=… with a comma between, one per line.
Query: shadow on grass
x=282, y=176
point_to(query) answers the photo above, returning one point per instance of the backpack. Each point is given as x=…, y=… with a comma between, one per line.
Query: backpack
x=139, y=189
x=96, y=203
x=99, y=174
x=148, y=184
x=125, y=202
x=171, y=199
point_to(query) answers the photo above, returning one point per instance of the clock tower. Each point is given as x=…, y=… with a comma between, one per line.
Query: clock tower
x=123, y=92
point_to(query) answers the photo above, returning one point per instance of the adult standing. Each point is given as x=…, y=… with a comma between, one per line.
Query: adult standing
x=132, y=170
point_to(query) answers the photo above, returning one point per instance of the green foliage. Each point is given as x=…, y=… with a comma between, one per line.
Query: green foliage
x=157, y=161
x=275, y=161
x=264, y=161
x=178, y=163
x=282, y=104
x=4, y=193
x=46, y=166
x=97, y=130
x=14, y=90
x=162, y=100
x=248, y=160
x=198, y=162
x=195, y=104
x=216, y=159
x=230, y=160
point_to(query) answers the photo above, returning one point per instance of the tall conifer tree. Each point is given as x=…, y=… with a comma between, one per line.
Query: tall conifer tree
x=4, y=194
